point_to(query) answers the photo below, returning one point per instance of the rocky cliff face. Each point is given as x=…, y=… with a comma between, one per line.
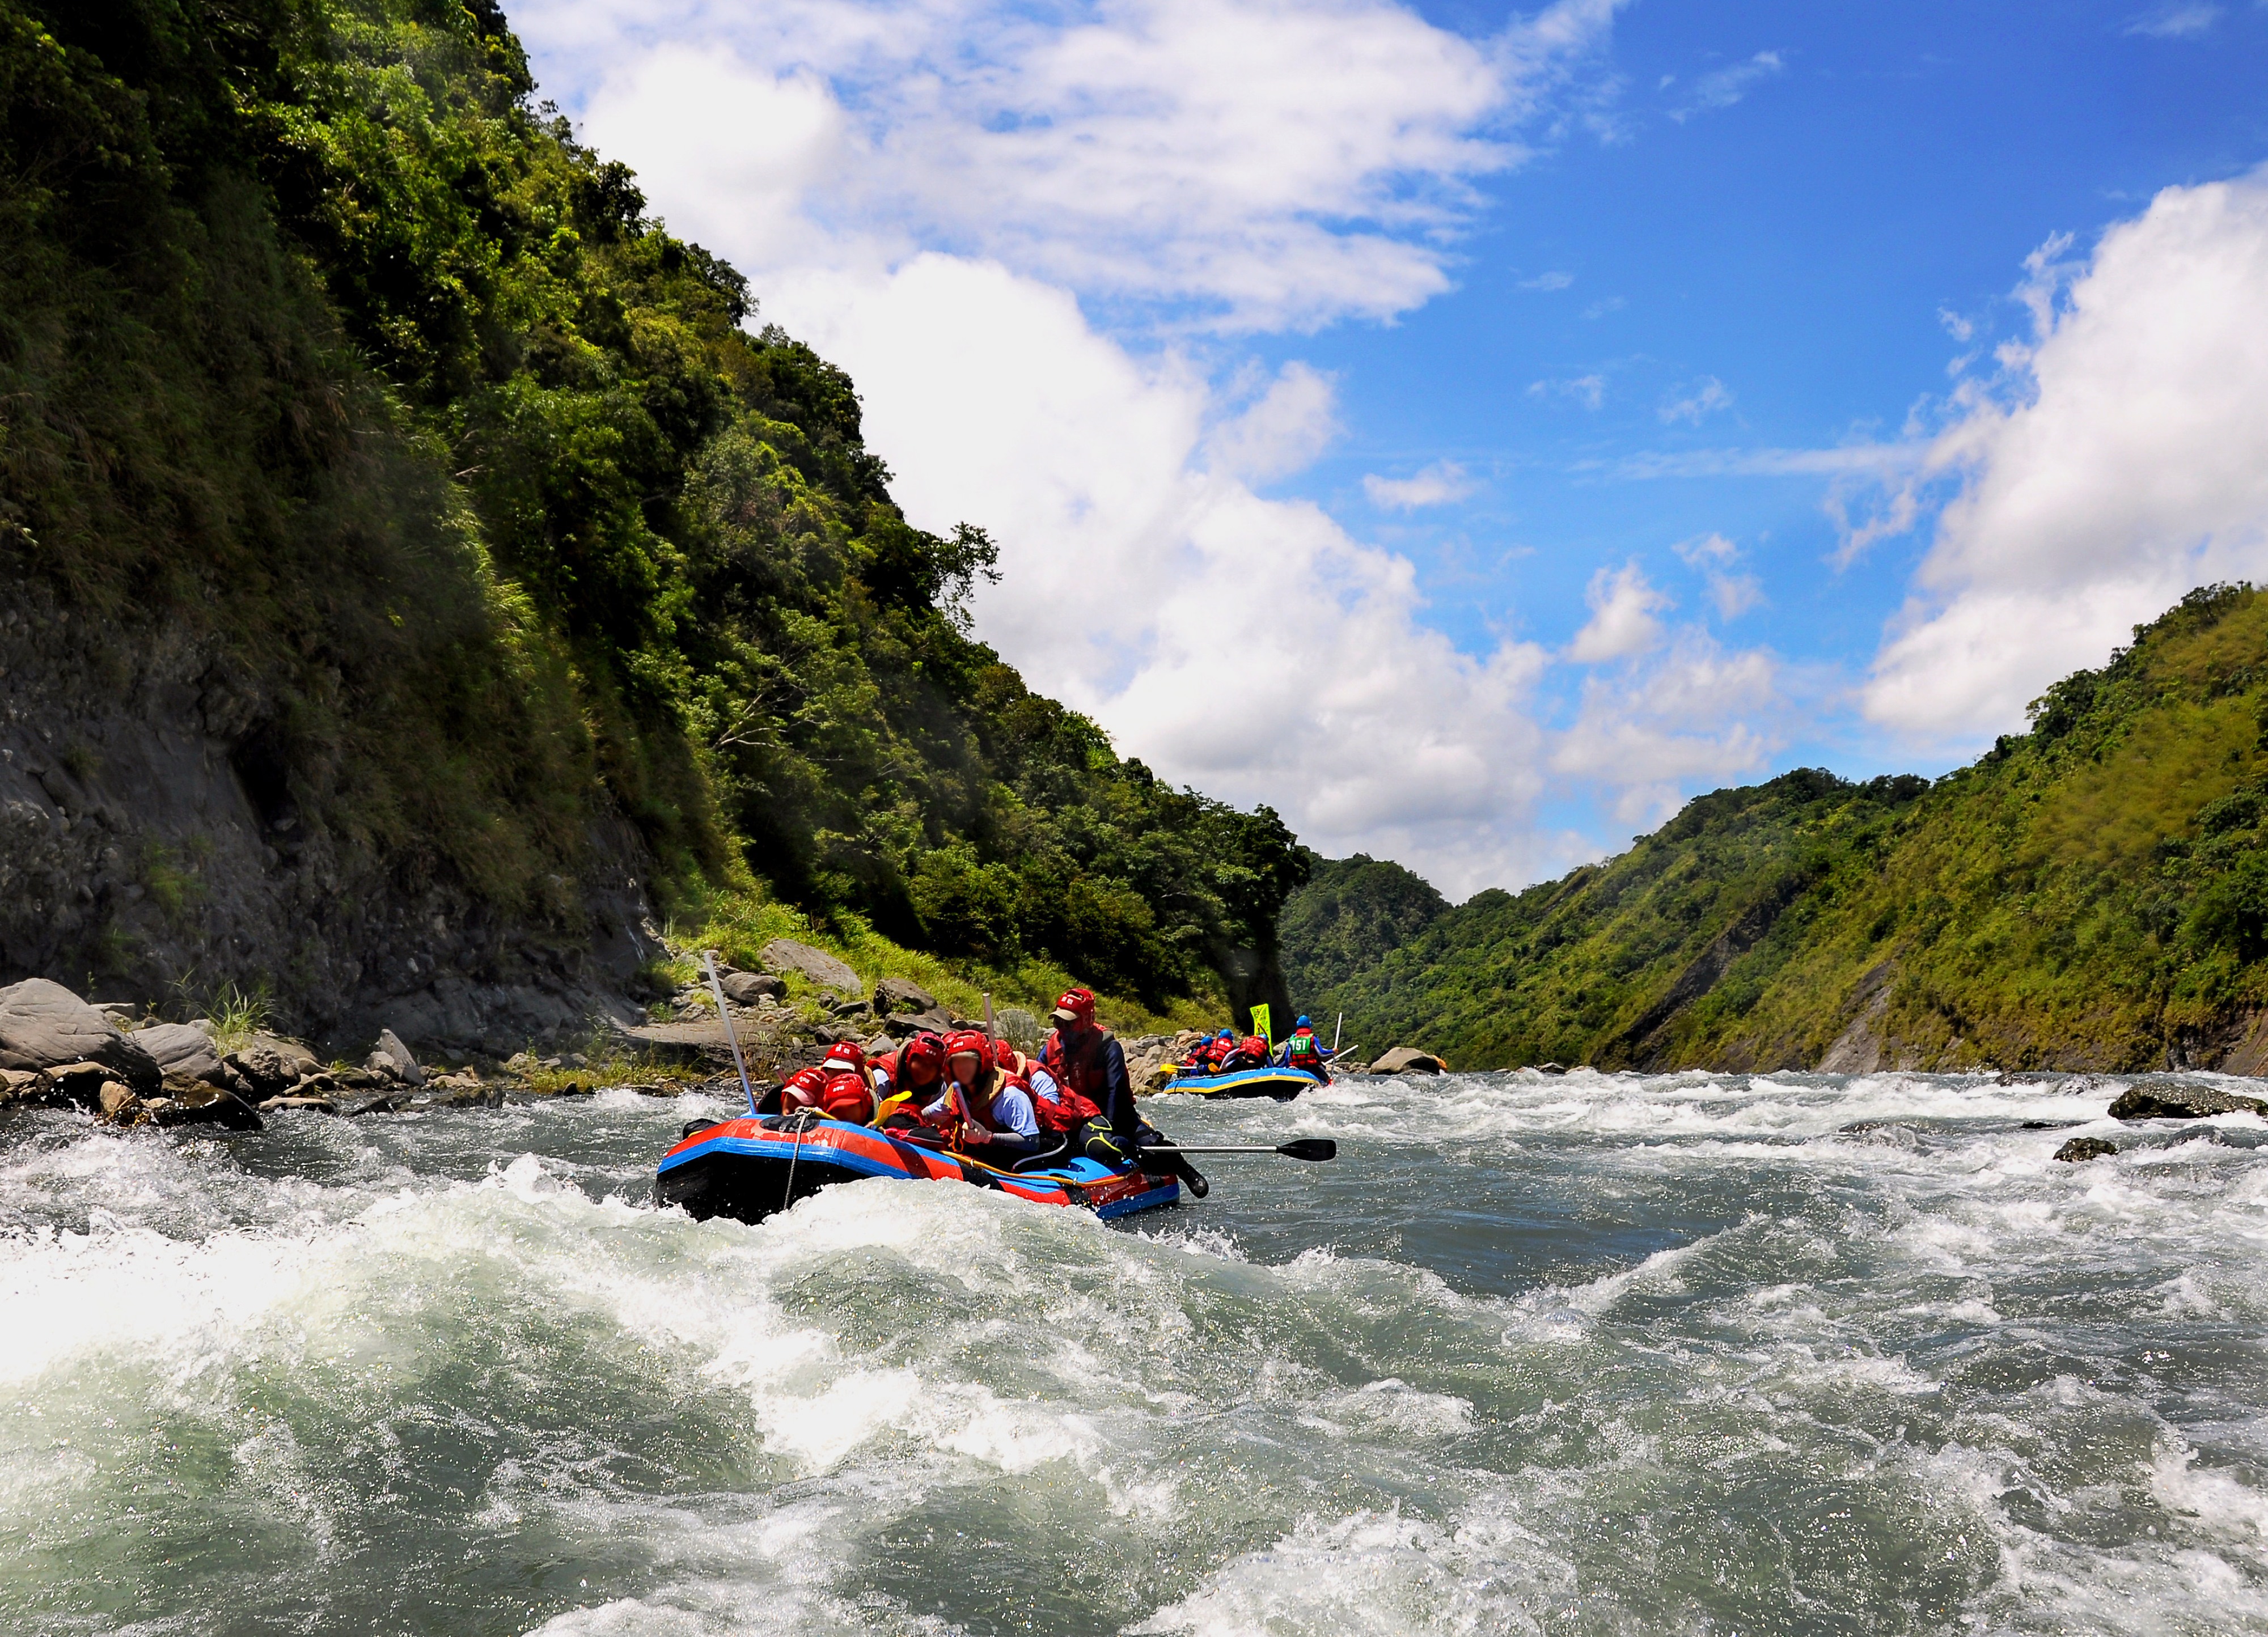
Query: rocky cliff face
x=152, y=845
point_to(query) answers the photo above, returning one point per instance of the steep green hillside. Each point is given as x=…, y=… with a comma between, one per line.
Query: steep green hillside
x=2094, y=894
x=1352, y=913
x=322, y=346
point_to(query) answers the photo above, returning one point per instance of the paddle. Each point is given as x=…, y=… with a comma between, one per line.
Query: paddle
x=1300, y=1148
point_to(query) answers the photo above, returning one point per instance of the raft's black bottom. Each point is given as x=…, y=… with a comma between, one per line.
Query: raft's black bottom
x=746, y=1187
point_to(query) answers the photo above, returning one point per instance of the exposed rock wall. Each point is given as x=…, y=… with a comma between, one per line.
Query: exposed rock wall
x=152, y=846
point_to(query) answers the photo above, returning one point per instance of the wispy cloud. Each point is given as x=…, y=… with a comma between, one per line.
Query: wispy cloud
x=1548, y=281
x=1437, y=485
x=1884, y=460
x=1590, y=391
x=2182, y=20
x=1704, y=397
x=1725, y=86
x=1713, y=555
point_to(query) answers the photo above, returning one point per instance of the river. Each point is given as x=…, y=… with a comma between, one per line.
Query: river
x=1592, y=1354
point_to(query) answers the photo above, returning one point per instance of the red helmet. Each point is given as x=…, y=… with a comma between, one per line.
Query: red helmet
x=848, y=1051
x=923, y=1052
x=968, y=1043
x=802, y=1089
x=1078, y=1004
x=1005, y=1057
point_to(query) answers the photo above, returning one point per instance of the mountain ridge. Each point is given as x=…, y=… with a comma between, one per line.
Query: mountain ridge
x=2092, y=894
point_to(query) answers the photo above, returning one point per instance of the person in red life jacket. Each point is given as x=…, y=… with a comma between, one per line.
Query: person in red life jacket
x=1218, y=1050
x=1059, y=1108
x=981, y=1107
x=837, y=1087
x=1087, y=1058
x=1304, y=1051
x=911, y=1078
x=845, y=1093
x=800, y=1090
x=1249, y=1052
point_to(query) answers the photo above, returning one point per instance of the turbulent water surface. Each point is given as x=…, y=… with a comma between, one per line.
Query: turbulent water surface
x=1597, y=1353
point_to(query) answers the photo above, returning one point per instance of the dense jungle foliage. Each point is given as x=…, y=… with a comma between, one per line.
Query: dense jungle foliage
x=2091, y=894
x=1352, y=913
x=319, y=337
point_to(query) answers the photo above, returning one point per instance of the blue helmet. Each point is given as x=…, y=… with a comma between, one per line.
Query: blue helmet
x=1303, y=1023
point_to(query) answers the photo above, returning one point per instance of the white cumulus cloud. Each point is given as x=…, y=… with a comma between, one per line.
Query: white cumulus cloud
x=2123, y=461
x=1283, y=430
x=1623, y=608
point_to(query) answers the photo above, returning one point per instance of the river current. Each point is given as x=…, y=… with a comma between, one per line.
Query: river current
x=1594, y=1354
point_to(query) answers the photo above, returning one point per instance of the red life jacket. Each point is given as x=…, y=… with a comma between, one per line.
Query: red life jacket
x=1077, y=1078
x=1303, y=1053
x=1249, y=1052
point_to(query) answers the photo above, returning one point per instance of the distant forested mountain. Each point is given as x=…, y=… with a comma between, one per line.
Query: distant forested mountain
x=1350, y=916
x=2093, y=894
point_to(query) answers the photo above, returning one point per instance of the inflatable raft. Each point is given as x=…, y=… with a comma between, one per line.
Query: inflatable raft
x=750, y=1167
x=1283, y=1084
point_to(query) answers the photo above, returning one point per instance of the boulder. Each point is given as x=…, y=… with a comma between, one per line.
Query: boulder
x=115, y=1102
x=43, y=1026
x=271, y=1065
x=903, y=995
x=2176, y=1099
x=1408, y=1059
x=184, y=1050
x=898, y=1025
x=822, y=968
x=2078, y=1150
x=1550, y=1068
x=752, y=988
x=26, y=1085
x=1146, y=1057
x=465, y=1090
x=402, y=1060
x=193, y=1103
x=82, y=1083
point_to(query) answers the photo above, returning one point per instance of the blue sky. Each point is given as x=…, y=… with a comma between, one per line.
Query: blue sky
x=1476, y=431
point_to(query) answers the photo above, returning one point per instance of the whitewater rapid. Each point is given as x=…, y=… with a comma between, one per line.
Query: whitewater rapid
x=1585, y=1354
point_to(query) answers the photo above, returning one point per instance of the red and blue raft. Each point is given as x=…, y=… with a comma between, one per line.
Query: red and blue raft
x=750, y=1167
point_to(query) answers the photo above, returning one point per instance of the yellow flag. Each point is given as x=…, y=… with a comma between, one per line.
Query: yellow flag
x=1262, y=1027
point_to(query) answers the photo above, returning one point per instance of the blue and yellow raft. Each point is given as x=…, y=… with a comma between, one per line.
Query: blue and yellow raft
x=1283, y=1084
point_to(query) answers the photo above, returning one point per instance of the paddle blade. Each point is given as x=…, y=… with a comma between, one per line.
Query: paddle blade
x=1310, y=1148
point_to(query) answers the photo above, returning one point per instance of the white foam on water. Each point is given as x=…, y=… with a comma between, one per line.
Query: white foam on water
x=1762, y=1372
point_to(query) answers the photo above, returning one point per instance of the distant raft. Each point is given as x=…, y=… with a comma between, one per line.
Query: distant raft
x=1283, y=1084
x=748, y=1168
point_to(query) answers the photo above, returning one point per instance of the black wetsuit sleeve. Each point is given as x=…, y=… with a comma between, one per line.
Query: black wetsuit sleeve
x=1117, y=1094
